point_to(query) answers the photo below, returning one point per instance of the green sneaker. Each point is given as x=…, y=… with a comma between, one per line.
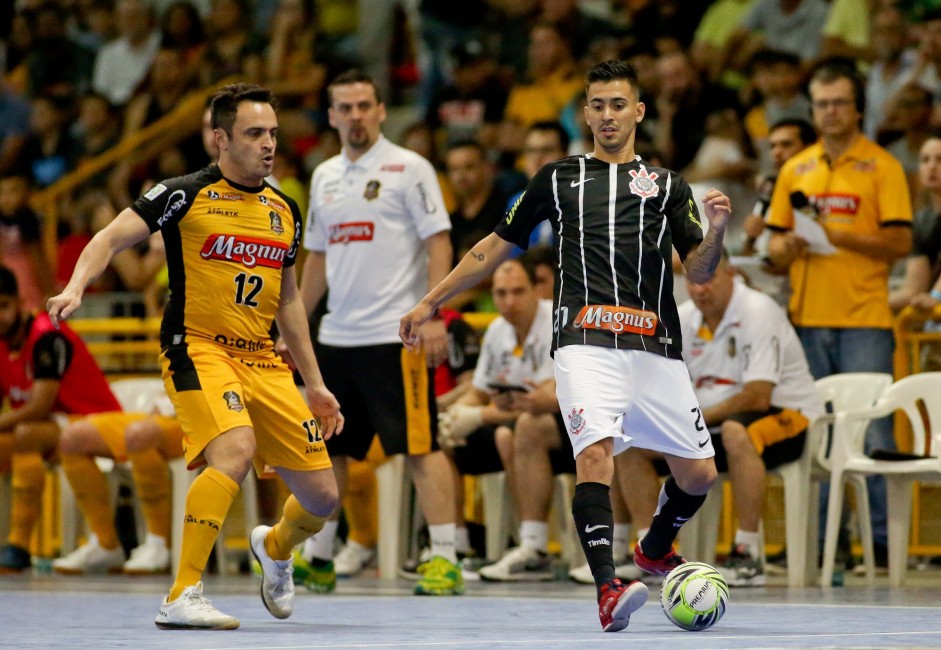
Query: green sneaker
x=321, y=577
x=302, y=569
x=439, y=577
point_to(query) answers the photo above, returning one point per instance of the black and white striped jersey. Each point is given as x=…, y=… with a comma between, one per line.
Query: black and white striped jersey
x=616, y=226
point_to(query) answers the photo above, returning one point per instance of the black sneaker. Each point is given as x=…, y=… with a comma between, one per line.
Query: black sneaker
x=14, y=559
x=741, y=569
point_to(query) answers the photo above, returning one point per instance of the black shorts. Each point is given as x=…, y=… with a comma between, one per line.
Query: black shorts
x=384, y=390
x=479, y=455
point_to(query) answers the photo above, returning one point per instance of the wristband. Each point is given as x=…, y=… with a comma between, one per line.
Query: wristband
x=936, y=294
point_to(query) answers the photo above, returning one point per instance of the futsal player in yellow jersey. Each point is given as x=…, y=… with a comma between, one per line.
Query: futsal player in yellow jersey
x=231, y=240
x=858, y=193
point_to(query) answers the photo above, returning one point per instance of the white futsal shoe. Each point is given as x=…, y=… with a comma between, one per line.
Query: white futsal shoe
x=90, y=558
x=277, y=580
x=152, y=556
x=193, y=611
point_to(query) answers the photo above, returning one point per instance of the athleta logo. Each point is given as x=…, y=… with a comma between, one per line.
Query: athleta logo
x=248, y=251
x=343, y=233
x=643, y=184
x=591, y=529
x=616, y=319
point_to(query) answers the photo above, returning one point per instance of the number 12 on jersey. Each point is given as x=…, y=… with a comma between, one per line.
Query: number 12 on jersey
x=246, y=288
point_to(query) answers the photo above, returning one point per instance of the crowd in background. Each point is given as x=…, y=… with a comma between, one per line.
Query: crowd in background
x=80, y=75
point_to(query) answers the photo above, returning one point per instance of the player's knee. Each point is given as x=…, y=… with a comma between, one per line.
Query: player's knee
x=735, y=438
x=503, y=439
x=139, y=436
x=321, y=499
x=533, y=432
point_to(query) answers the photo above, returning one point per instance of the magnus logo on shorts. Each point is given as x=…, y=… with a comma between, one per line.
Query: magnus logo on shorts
x=249, y=251
x=344, y=233
x=576, y=421
x=616, y=319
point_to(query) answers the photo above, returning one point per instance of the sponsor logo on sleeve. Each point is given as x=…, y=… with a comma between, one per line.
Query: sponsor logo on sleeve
x=174, y=202
x=155, y=191
x=512, y=211
x=344, y=233
x=426, y=201
x=616, y=319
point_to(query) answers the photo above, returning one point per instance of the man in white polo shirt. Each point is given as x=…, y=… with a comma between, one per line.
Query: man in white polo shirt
x=757, y=398
x=378, y=234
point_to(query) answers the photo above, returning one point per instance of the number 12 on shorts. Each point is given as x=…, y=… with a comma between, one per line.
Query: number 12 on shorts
x=313, y=431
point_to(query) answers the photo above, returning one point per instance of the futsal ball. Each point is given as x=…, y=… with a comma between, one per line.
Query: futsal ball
x=694, y=596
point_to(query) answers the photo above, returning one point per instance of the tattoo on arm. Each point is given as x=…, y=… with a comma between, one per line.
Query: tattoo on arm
x=705, y=261
x=480, y=257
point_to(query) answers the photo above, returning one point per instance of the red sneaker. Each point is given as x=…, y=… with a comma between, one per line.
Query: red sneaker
x=659, y=566
x=618, y=601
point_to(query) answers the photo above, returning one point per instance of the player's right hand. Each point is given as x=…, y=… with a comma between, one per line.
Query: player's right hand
x=62, y=306
x=412, y=322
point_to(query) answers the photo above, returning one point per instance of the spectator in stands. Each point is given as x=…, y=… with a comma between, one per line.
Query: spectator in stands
x=93, y=24
x=480, y=205
x=97, y=128
x=420, y=138
x=906, y=127
x=920, y=288
x=895, y=63
x=146, y=441
x=858, y=193
x=512, y=406
x=233, y=48
x=551, y=83
x=21, y=248
x=927, y=72
x=684, y=101
x=14, y=126
x=44, y=371
x=472, y=104
x=583, y=26
x=848, y=31
x=777, y=78
x=757, y=398
x=123, y=63
x=713, y=32
x=794, y=26
x=785, y=139
x=56, y=65
x=181, y=28
x=50, y=151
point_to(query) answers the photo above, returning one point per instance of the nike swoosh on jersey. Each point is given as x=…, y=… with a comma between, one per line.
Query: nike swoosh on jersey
x=577, y=183
x=703, y=443
x=590, y=529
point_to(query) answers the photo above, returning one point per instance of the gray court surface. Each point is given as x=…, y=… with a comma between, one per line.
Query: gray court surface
x=48, y=611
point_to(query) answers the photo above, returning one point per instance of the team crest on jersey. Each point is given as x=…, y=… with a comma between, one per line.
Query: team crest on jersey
x=643, y=184
x=576, y=421
x=372, y=190
x=233, y=401
x=276, y=226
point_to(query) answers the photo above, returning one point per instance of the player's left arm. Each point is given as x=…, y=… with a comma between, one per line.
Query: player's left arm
x=434, y=333
x=292, y=324
x=702, y=261
x=52, y=356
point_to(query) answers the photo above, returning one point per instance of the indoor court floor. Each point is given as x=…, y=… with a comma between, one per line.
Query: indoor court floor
x=48, y=611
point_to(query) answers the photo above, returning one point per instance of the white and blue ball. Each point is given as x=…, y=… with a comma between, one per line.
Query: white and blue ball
x=694, y=596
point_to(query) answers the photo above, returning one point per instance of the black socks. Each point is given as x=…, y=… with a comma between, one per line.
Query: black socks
x=591, y=509
x=674, y=509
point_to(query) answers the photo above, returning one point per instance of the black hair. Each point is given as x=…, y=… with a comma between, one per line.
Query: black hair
x=769, y=57
x=353, y=76
x=836, y=68
x=8, y=284
x=466, y=143
x=612, y=70
x=528, y=267
x=539, y=255
x=807, y=132
x=225, y=103
x=555, y=127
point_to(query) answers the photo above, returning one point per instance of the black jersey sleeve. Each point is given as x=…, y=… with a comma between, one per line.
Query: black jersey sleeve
x=534, y=205
x=291, y=257
x=167, y=201
x=684, y=218
x=52, y=355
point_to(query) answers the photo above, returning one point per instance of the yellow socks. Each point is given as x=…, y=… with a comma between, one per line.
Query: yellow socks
x=28, y=481
x=296, y=525
x=153, y=488
x=361, y=503
x=207, y=503
x=91, y=496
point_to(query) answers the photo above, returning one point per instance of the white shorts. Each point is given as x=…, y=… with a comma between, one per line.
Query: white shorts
x=638, y=398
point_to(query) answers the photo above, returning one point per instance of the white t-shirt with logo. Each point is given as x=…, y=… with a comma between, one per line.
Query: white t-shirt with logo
x=502, y=359
x=754, y=342
x=371, y=218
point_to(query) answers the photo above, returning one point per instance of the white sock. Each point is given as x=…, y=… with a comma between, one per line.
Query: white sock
x=462, y=540
x=535, y=534
x=642, y=533
x=320, y=546
x=621, y=544
x=751, y=542
x=442, y=541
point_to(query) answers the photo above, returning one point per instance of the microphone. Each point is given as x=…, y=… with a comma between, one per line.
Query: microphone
x=801, y=203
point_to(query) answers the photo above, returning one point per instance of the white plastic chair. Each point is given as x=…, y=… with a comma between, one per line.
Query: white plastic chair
x=801, y=496
x=847, y=459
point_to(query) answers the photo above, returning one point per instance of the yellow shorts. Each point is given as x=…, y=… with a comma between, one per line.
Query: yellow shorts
x=112, y=425
x=214, y=392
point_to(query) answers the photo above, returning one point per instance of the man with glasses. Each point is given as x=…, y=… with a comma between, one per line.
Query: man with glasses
x=857, y=192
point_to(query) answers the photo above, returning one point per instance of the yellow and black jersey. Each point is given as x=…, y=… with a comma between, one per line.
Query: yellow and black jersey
x=226, y=247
